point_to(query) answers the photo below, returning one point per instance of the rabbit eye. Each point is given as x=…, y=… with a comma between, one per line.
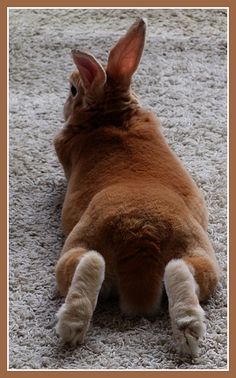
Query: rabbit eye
x=73, y=90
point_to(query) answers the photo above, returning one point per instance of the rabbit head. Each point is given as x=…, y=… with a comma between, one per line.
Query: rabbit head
x=99, y=94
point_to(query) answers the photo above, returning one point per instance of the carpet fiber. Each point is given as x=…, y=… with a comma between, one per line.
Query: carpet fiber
x=182, y=76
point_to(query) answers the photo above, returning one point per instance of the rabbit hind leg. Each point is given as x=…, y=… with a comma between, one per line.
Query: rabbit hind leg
x=188, y=280
x=80, y=274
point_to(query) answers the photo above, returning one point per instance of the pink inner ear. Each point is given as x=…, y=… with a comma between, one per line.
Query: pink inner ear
x=87, y=69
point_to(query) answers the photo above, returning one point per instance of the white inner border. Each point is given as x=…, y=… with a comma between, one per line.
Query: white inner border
x=122, y=370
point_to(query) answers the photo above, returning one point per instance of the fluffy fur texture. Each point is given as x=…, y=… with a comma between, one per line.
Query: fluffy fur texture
x=187, y=316
x=75, y=314
x=129, y=198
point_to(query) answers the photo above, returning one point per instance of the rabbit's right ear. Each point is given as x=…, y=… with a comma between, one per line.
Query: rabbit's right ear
x=92, y=74
x=126, y=54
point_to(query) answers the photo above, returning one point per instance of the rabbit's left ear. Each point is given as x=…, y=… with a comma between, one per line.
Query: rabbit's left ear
x=91, y=72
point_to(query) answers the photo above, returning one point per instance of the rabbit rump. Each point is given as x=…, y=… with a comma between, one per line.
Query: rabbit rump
x=135, y=222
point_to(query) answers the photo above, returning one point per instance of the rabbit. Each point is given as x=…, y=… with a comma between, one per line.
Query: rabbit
x=135, y=222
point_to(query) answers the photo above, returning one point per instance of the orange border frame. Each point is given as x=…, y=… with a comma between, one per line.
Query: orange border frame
x=3, y=161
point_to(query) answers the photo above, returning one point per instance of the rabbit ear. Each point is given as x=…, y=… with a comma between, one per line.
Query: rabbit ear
x=91, y=72
x=126, y=54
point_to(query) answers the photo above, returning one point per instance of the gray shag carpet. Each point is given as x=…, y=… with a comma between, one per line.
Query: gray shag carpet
x=183, y=78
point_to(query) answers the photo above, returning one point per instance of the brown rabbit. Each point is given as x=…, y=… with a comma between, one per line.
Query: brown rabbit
x=131, y=208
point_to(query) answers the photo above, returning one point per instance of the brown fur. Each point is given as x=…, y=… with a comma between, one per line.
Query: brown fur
x=128, y=196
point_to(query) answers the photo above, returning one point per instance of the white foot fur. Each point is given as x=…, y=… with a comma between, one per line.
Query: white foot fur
x=187, y=316
x=75, y=314
x=73, y=321
x=188, y=329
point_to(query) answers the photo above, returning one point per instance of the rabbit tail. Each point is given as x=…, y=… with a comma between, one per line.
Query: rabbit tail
x=140, y=275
